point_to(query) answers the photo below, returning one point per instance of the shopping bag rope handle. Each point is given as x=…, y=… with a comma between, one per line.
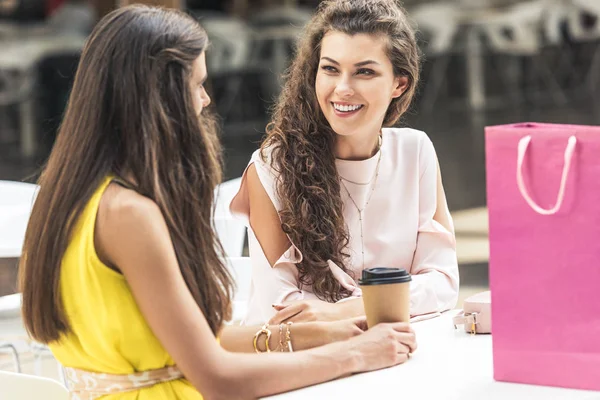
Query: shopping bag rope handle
x=522, y=151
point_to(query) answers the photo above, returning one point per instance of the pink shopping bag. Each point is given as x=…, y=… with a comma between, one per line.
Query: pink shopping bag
x=543, y=194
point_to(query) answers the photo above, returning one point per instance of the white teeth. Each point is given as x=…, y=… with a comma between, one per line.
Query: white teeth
x=346, y=108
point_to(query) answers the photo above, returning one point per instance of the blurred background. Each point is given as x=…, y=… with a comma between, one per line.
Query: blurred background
x=486, y=62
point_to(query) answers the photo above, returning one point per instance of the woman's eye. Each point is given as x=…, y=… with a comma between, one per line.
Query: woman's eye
x=328, y=68
x=365, y=71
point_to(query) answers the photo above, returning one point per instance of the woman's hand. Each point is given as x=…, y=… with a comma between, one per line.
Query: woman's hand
x=305, y=311
x=384, y=345
x=344, y=329
x=317, y=310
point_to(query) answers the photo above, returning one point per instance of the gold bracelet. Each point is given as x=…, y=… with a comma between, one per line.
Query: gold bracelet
x=288, y=337
x=266, y=331
x=281, y=344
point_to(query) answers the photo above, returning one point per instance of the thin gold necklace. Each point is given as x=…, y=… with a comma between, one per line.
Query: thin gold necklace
x=360, y=210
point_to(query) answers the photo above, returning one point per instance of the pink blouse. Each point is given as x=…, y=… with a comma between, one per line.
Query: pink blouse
x=399, y=228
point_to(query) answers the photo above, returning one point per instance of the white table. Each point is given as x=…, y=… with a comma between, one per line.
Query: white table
x=448, y=365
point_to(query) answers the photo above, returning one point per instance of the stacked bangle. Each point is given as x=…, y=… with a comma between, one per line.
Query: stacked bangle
x=285, y=340
x=288, y=337
x=281, y=343
x=264, y=330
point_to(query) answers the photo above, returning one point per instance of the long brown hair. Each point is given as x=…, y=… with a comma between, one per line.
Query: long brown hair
x=301, y=141
x=131, y=114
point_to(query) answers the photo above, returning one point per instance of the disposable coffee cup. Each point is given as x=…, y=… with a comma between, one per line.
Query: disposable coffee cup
x=386, y=295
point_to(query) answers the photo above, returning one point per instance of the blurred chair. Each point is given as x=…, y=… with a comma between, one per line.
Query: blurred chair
x=241, y=269
x=13, y=337
x=227, y=57
x=27, y=387
x=583, y=25
x=276, y=31
x=557, y=43
x=439, y=23
x=556, y=14
x=281, y=16
x=232, y=234
x=515, y=32
x=10, y=306
x=224, y=193
x=16, y=201
x=584, y=20
x=7, y=346
x=10, y=309
x=230, y=230
x=21, y=53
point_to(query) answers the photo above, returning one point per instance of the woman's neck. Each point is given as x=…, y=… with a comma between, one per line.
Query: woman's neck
x=356, y=148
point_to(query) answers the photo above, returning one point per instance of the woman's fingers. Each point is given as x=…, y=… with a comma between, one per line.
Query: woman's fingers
x=401, y=358
x=285, y=314
x=407, y=340
x=402, y=327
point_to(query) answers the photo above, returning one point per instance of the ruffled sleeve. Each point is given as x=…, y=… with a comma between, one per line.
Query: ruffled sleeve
x=270, y=284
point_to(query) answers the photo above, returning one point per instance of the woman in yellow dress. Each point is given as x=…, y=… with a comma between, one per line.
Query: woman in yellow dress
x=122, y=274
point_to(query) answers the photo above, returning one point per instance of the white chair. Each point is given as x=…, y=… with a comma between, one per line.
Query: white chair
x=10, y=347
x=231, y=231
x=10, y=309
x=557, y=12
x=10, y=306
x=576, y=26
x=227, y=57
x=232, y=234
x=16, y=201
x=224, y=193
x=276, y=32
x=440, y=22
x=582, y=32
x=241, y=269
x=15, y=386
x=515, y=31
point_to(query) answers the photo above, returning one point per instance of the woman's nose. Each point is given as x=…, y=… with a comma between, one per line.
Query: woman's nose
x=205, y=100
x=343, y=88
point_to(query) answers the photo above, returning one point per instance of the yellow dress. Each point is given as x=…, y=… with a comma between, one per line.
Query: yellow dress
x=109, y=334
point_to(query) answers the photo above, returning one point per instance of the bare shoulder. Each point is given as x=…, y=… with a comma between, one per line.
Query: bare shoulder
x=253, y=179
x=257, y=193
x=121, y=204
x=264, y=219
x=126, y=219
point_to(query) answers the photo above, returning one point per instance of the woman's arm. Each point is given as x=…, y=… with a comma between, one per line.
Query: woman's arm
x=318, y=310
x=290, y=300
x=264, y=219
x=435, y=267
x=131, y=235
x=304, y=335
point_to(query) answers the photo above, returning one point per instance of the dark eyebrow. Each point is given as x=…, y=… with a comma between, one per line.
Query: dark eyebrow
x=367, y=62
x=359, y=64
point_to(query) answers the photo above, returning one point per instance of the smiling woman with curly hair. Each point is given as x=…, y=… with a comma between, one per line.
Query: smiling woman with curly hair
x=333, y=189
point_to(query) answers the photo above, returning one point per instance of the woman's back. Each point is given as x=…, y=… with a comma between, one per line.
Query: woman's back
x=108, y=333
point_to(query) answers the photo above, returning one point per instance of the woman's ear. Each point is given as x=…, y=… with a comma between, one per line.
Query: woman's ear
x=401, y=83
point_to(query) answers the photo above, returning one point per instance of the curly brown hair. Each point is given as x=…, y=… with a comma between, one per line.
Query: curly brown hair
x=301, y=141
